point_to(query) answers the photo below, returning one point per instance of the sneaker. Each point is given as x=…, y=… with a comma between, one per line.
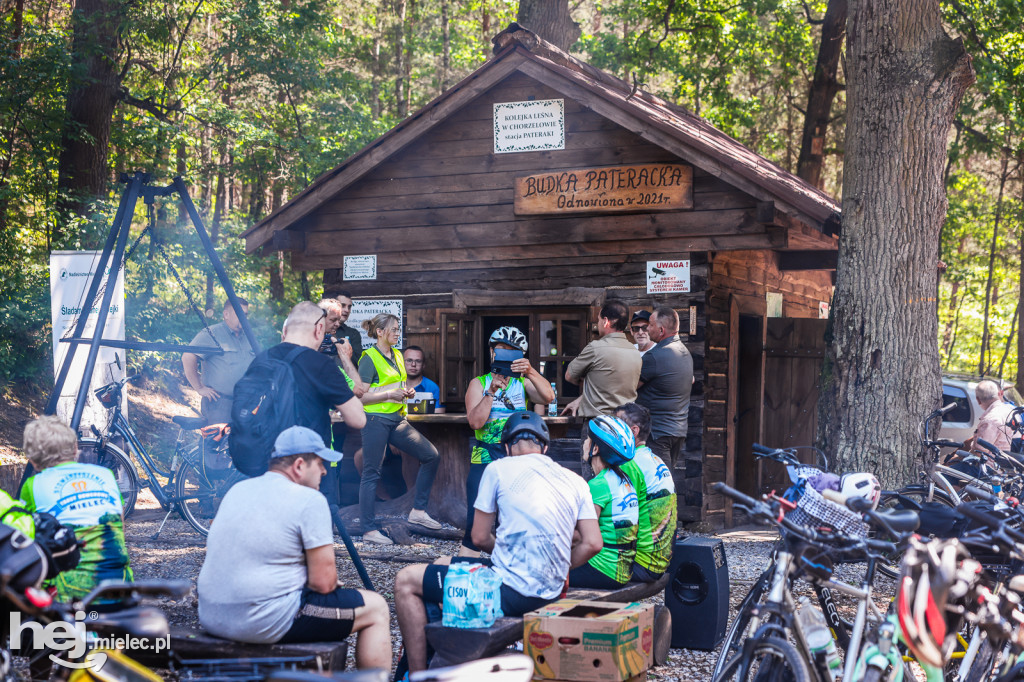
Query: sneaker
x=377, y=538
x=419, y=517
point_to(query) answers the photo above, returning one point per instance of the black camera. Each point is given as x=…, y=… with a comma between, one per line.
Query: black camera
x=327, y=346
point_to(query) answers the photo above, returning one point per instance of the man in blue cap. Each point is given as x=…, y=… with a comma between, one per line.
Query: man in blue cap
x=269, y=574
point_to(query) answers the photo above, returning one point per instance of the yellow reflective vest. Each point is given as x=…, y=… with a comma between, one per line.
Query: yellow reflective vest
x=388, y=378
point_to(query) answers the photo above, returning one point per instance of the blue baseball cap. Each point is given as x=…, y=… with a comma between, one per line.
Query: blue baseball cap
x=298, y=440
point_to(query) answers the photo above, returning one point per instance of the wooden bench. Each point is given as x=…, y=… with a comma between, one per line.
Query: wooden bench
x=196, y=648
x=458, y=645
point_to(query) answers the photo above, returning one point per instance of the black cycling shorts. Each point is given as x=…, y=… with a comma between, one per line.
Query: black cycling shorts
x=324, y=617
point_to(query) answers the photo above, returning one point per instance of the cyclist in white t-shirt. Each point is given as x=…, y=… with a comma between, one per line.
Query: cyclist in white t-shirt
x=541, y=505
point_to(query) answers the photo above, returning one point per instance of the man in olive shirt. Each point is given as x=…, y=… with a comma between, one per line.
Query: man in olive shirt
x=666, y=377
x=220, y=371
x=609, y=366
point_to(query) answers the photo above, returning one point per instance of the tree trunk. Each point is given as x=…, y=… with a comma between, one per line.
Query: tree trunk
x=905, y=78
x=446, y=46
x=1020, y=278
x=375, y=104
x=823, y=91
x=549, y=19
x=85, y=139
x=982, y=367
x=401, y=101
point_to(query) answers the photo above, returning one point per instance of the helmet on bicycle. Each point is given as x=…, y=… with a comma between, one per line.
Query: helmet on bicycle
x=510, y=336
x=521, y=424
x=861, y=485
x=614, y=439
x=935, y=574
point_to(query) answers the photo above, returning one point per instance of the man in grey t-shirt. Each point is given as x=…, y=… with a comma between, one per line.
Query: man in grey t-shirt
x=666, y=378
x=220, y=371
x=269, y=574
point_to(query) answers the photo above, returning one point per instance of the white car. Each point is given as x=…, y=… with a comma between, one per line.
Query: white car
x=959, y=424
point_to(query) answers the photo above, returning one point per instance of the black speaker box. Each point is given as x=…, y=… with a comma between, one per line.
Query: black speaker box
x=697, y=593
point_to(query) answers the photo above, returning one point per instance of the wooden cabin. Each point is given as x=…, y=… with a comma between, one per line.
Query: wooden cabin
x=539, y=187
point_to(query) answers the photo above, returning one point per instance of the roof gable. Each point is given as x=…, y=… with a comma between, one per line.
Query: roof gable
x=660, y=123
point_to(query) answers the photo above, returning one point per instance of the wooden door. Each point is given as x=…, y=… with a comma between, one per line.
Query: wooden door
x=794, y=353
x=460, y=360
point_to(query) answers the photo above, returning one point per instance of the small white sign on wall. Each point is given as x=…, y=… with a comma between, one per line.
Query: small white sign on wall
x=359, y=267
x=823, y=309
x=773, y=303
x=668, y=276
x=365, y=308
x=531, y=126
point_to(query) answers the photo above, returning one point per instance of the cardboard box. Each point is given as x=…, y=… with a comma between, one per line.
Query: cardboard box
x=589, y=640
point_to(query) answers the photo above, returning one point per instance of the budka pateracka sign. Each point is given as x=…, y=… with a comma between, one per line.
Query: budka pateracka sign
x=655, y=186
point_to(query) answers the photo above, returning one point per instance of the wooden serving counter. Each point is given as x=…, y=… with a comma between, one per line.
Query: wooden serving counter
x=451, y=435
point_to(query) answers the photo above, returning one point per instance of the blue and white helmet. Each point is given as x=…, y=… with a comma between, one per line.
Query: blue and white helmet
x=614, y=439
x=510, y=336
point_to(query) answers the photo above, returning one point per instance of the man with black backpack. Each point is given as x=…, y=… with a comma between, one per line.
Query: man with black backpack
x=290, y=384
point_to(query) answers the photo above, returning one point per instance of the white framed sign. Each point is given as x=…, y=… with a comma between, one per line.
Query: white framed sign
x=365, y=308
x=359, y=267
x=531, y=126
x=668, y=276
x=71, y=273
x=773, y=303
x=823, y=309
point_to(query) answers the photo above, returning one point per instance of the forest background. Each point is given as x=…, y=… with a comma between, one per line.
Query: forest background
x=250, y=100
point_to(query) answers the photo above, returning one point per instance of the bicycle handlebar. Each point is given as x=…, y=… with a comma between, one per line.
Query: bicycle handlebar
x=1010, y=536
x=761, y=508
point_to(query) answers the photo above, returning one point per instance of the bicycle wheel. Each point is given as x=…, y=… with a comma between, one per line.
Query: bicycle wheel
x=909, y=497
x=772, y=659
x=114, y=458
x=199, y=494
x=737, y=629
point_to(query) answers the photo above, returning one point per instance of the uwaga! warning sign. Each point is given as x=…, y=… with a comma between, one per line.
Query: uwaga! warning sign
x=668, y=276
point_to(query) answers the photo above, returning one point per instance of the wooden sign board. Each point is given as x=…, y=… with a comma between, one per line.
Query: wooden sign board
x=647, y=187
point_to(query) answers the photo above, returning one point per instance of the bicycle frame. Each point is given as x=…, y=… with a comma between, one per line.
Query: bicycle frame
x=781, y=600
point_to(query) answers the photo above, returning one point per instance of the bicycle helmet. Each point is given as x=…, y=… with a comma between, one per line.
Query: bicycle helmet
x=522, y=423
x=861, y=485
x=613, y=438
x=935, y=574
x=509, y=336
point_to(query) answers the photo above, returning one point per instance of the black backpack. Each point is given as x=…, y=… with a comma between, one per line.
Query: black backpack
x=263, y=407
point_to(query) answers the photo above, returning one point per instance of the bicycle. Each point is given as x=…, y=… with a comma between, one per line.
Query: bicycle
x=199, y=475
x=771, y=624
x=735, y=633
x=943, y=485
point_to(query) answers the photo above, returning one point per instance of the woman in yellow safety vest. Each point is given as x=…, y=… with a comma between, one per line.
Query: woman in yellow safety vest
x=382, y=367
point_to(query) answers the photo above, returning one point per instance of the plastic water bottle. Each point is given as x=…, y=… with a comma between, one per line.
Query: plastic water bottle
x=819, y=639
x=553, y=405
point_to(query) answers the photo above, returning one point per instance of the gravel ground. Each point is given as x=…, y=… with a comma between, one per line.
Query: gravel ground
x=178, y=553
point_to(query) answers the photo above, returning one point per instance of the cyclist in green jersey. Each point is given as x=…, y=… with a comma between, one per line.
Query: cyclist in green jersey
x=657, y=493
x=84, y=497
x=608, y=444
x=490, y=400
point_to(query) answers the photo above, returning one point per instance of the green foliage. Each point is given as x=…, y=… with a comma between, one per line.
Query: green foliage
x=263, y=96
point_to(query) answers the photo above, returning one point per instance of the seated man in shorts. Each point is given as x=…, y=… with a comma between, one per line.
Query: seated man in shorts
x=540, y=505
x=269, y=574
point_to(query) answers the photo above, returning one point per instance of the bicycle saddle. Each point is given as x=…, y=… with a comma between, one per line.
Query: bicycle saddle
x=901, y=520
x=140, y=621
x=189, y=423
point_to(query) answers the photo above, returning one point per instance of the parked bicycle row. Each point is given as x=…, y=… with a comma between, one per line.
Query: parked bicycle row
x=953, y=540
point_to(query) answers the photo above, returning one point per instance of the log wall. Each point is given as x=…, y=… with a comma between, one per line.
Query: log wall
x=751, y=275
